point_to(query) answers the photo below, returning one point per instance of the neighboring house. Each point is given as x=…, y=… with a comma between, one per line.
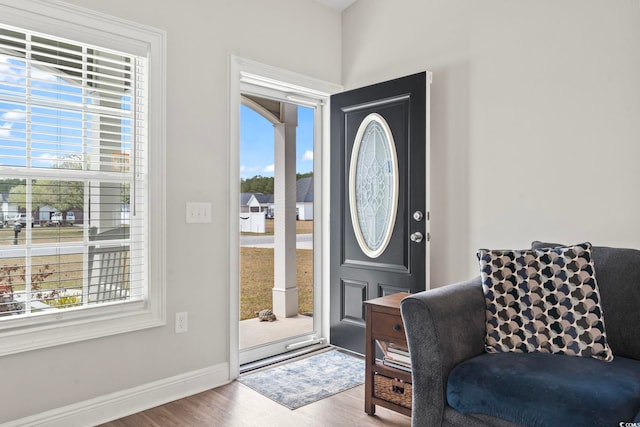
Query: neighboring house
x=244, y=202
x=45, y=213
x=254, y=209
x=259, y=202
x=304, y=199
x=125, y=214
x=6, y=208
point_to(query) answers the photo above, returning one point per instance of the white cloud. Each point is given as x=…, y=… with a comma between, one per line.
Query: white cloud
x=4, y=63
x=46, y=159
x=13, y=70
x=308, y=155
x=251, y=171
x=5, y=130
x=14, y=115
x=42, y=75
x=8, y=71
x=5, y=67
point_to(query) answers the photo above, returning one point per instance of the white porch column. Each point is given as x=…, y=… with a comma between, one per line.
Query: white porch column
x=106, y=198
x=285, y=290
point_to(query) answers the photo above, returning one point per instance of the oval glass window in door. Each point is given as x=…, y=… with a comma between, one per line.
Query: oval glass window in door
x=373, y=185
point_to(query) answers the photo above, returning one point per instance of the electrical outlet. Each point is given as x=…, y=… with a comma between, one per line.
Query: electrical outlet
x=181, y=322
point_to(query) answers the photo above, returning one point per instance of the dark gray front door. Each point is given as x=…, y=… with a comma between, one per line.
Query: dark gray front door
x=378, y=199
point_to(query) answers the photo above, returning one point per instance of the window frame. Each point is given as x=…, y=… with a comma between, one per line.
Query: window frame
x=59, y=19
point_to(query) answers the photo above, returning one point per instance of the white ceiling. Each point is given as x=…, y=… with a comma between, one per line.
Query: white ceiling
x=338, y=5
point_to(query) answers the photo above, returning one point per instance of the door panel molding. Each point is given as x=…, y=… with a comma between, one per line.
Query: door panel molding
x=354, y=292
x=377, y=103
x=392, y=268
x=384, y=290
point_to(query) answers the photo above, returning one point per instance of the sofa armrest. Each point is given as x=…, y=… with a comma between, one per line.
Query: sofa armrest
x=444, y=327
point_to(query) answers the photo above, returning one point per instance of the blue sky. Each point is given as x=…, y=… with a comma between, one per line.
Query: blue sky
x=256, y=143
x=55, y=119
x=57, y=135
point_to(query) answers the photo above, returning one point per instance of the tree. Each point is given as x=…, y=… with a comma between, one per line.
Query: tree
x=72, y=161
x=125, y=194
x=7, y=184
x=18, y=195
x=257, y=184
x=59, y=195
x=264, y=184
x=303, y=175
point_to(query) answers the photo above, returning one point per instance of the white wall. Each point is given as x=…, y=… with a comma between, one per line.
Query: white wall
x=535, y=135
x=535, y=116
x=305, y=211
x=201, y=35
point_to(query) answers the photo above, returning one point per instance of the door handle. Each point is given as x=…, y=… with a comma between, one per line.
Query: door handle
x=416, y=237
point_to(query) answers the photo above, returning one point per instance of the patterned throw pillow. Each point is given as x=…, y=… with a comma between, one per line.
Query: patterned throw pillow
x=543, y=300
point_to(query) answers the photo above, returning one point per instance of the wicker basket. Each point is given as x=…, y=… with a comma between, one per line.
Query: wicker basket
x=392, y=390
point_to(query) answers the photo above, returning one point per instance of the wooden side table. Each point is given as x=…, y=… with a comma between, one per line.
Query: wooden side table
x=384, y=385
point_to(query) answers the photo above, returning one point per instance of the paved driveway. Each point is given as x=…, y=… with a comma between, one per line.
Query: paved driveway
x=303, y=241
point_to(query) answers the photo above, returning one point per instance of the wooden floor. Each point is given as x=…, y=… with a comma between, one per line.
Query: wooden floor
x=238, y=405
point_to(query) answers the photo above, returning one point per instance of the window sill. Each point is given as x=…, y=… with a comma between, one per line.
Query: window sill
x=68, y=326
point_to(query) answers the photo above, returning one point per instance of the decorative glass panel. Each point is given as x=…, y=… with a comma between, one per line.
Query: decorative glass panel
x=373, y=185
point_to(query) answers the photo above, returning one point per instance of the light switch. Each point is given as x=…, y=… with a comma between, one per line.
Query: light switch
x=198, y=212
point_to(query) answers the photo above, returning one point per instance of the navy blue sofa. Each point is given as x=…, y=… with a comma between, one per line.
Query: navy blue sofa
x=456, y=383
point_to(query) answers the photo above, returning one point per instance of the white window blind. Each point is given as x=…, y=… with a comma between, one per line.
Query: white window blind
x=73, y=175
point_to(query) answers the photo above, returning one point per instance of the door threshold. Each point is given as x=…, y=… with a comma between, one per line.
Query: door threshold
x=284, y=357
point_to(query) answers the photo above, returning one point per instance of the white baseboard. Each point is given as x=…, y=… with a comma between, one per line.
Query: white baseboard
x=122, y=403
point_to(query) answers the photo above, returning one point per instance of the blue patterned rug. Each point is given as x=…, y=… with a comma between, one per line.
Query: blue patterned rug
x=307, y=380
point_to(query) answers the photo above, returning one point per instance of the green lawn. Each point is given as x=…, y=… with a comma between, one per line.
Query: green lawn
x=65, y=271
x=256, y=275
x=41, y=235
x=47, y=272
x=256, y=280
